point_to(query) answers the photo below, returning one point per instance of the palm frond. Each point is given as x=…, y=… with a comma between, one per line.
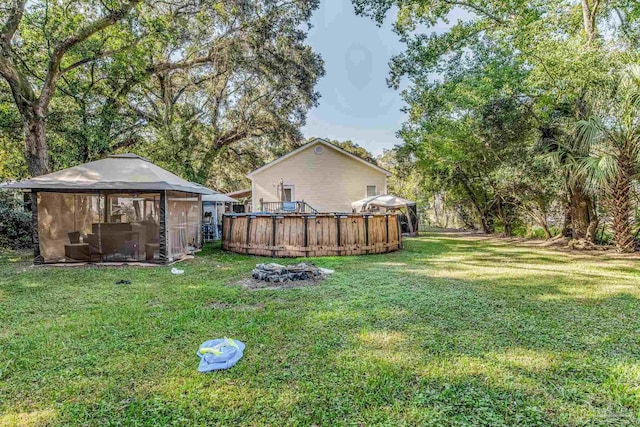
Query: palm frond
x=632, y=75
x=630, y=81
x=589, y=132
x=597, y=172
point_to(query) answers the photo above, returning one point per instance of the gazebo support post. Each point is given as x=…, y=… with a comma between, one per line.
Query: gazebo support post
x=164, y=232
x=37, y=257
x=100, y=222
x=107, y=208
x=201, y=222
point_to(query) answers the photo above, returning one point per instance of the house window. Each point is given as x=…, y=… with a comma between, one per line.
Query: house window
x=371, y=191
x=288, y=193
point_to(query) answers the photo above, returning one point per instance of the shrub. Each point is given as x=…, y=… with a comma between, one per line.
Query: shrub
x=15, y=223
x=533, y=232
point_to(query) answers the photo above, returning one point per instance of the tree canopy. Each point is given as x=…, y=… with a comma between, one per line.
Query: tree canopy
x=499, y=106
x=183, y=82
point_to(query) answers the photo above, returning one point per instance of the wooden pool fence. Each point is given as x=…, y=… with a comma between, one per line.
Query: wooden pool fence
x=310, y=235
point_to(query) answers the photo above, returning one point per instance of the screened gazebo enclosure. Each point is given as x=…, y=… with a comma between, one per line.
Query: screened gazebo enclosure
x=120, y=209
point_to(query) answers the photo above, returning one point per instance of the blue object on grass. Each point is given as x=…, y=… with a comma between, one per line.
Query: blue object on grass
x=222, y=357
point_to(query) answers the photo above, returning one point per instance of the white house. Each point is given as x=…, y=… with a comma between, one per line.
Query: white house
x=319, y=173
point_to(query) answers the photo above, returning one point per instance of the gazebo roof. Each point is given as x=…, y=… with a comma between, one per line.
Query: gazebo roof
x=116, y=172
x=382, y=200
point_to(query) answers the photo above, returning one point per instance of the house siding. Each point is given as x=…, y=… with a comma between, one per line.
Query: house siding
x=329, y=182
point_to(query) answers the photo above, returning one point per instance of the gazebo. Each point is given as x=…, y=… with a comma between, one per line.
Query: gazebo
x=390, y=203
x=119, y=209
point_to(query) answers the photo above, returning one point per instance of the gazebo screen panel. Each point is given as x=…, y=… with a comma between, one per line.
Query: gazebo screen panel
x=130, y=230
x=184, y=223
x=64, y=221
x=81, y=227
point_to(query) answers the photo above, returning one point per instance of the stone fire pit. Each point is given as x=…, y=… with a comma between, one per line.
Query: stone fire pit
x=277, y=273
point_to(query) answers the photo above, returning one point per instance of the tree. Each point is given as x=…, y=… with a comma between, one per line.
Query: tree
x=565, y=150
x=555, y=55
x=109, y=57
x=612, y=134
x=234, y=162
x=67, y=49
x=260, y=91
x=406, y=178
x=11, y=159
x=531, y=188
x=467, y=128
x=353, y=148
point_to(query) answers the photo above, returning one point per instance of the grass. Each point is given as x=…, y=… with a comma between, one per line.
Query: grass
x=452, y=330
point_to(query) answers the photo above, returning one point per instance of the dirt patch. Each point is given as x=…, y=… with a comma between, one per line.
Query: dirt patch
x=216, y=305
x=256, y=285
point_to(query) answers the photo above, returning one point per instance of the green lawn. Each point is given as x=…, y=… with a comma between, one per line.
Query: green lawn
x=450, y=331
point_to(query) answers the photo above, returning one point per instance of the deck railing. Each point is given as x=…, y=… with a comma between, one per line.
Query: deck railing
x=287, y=207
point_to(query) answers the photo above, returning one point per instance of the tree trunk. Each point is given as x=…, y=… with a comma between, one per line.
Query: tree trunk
x=487, y=223
x=583, y=218
x=485, y=217
x=621, y=211
x=465, y=218
x=507, y=229
x=504, y=216
x=589, y=19
x=435, y=211
x=541, y=218
x=566, y=225
x=35, y=145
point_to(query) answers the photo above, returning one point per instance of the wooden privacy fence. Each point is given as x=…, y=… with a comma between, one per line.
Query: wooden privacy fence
x=309, y=235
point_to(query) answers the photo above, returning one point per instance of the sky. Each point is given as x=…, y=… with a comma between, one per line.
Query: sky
x=356, y=104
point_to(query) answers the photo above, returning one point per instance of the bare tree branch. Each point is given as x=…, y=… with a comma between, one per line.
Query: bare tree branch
x=11, y=26
x=89, y=59
x=53, y=71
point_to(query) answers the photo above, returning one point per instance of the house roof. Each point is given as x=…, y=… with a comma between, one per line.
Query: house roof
x=116, y=172
x=326, y=144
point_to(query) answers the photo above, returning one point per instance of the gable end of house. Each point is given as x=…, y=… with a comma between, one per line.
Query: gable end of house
x=309, y=145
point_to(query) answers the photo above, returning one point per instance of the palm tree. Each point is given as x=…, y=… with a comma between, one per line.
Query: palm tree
x=613, y=133
x=560, y=144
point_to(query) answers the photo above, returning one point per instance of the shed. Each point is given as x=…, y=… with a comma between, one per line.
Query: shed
x=122, y=208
